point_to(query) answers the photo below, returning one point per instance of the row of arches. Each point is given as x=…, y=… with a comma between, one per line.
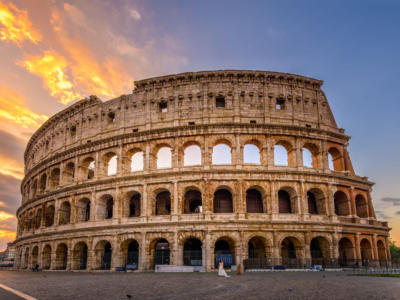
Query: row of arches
x=223, y=202
x=291, y=253
x=284, y=154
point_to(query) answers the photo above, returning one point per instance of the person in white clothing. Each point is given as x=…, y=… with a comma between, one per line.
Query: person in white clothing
x=221, y=270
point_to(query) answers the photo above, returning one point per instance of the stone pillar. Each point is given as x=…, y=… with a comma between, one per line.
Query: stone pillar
x=56, y=212
x=299, y=154
x=115, y=246
x=274, y=198
x=237, y=158
x=143, y=265
x=335, y=246
x=270, y=153
x=175, y=199
x=174, y=252
x=97, y=167
x=330, y=202
x=144, y=204
x=307, y=252
x=375, y=255
x=117, y=204
x=120, y=160
x=357, y=246
x=69, y=255
x=93, y=207
x=303, y=200
x=76, y=174
x=276, y=255
x=352, y=202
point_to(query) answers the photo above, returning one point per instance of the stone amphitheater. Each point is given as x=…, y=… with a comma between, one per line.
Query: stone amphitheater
x=245, y=166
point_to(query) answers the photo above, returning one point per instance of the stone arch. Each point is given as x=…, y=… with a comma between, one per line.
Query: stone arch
x=192, y=154
x=103, y=255
x=291, y=250
x=160, y=250
x=380, y=245
x=164, y=156
x=46, y=257
x=366, y=251
x=34, y=188
x=64, y=213
x=88, y=168
x=287, y=200
x=54, y=179
x=83, y=208
x=316, y=202
x=133, y=204
x=110, y=163
x=254, y=200
x=49, y=215
x=342, y=204
x=35, y=255
x=284, y=154
x=335, y=159
x=224, y=249
x=69, y=172
x=320, y=251
x=38, y=218
x=26, y=258
x=162, y=202
x=136, y=159
x=61, y=256
x=221, y=153
x=257, y=248
x=80, y=256
x=314, y=155
x=346, y=252
x=105, y=207
x=192, y=252
x=252, y=153
x=361, y=206
x=223, y=200
x=43, y=183
x=130, y=254
x=192, y=201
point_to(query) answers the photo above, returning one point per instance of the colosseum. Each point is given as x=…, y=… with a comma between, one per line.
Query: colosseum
x=245, y=166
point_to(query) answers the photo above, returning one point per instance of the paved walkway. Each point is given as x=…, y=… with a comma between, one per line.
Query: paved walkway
x=287, y=285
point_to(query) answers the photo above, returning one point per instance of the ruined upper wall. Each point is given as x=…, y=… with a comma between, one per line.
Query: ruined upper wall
x=187, y=99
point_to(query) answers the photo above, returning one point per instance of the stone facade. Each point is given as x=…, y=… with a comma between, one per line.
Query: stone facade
x=79, y=213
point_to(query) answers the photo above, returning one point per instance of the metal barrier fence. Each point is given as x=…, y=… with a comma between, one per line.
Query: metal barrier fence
x=300, y=263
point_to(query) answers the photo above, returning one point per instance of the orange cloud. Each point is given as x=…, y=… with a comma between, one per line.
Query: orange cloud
x=52, y=68
x=12, y=168
x=15, y=25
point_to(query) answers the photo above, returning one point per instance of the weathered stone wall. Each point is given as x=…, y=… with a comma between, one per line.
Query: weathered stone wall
x=263, y=109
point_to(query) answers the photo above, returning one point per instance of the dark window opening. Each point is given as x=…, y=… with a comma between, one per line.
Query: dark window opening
x=220, y=102
x=308, y=125
x=109, y=208
x=312, y=204
x=223, y=201
x=284, y=202
x=134, y=206
x=253, y=122
x=280, y=104
x=163, y=106
x=191, y=123
x=73, y=131
x=135, y=130
x=111, y=117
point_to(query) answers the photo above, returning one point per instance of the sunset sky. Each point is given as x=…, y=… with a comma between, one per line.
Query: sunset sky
x=56, y=52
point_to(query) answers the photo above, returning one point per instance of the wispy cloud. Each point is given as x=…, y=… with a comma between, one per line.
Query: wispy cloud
x=134, y=14
x=392, y=201
x=16, y=26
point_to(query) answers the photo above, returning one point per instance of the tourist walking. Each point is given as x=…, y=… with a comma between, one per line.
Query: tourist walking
x=221, y=270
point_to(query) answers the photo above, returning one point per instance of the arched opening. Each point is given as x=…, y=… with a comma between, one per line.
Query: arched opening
x=88, y=168
x=163, y=203
x=341, y=204
x=291, y=253
x=111, y=161
x=346, y=252
x=312, y=204
x=42, y=183
x=285, y=202
x=80, y=256
x=164, y=158
x=64, y=213
x=281, y=157
x=55, y=178
x=192, y=252
x=49, y=216
x=26, y=258
x=223, y=250
x=35, y=254
x=34, y=188
x=192, y=202
x=221, y=155
x=38, y=218
x=134, y=205
x=69, y=173
x=83, y=210
x=105, y=207
x=46, y=258
x=192, y=156
x=335, y=159
x=223, y=201
x=103, y=252
x=130, y=254
x=161, y=252
x=61, y=257
x=307, y=158
x=257, y=253
x=254, y=202
x=381, y=253
x=137, y=162
x=30, y=221
x=366, y=252
x=251, y=154
x=319, y=248
x=361, y=206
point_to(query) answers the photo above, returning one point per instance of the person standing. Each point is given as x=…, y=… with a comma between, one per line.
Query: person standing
x=221, y=270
